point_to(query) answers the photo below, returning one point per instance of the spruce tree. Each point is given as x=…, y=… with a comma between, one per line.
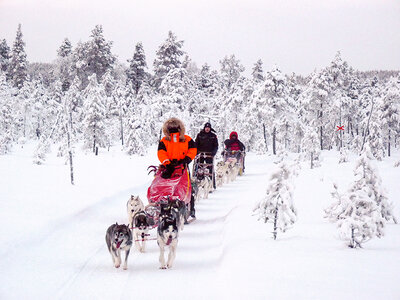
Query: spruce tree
x=277, y=205
x=310, y=145
x=5, y=55
x=136, y=74
x=17, y=69
x=65, y=48
x=6, y=115
x=168, y=57
x=231, y=70
x=93, y=57
x=95, y=113
x=389, y=106
x=258, y=73
x=65, y=64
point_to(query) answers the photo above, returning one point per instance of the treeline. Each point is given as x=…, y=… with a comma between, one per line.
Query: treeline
x=87, y=95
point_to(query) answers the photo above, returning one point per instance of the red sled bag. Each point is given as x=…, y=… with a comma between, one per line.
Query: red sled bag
x=176, y=187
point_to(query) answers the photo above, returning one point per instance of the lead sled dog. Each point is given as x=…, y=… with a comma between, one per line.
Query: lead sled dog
x=119, y=238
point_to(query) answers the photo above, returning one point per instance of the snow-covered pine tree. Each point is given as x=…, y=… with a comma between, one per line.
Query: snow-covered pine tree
x=361, y=213
x=258, y=72
x=339, y=78
x=93, y=57
x=315, y=99
x=65, y=48
x=208, y=81
x=278, y=108
x=6, y=115
x=5, y=54
x=175, y=88
x=335, y=211
x=119, y=96
x=39, y=107
x=375, y=135
x=389, y=106
x=136, y=72
x=311, y=146
x=17, y=69
x=231, y=70
x=369, y=178
x=360, y=220
x=139, y=135
x=364, y=209
x=64, y=64
x=277, y=205
x=168, y=57
x=95, y=112
x=100, y=59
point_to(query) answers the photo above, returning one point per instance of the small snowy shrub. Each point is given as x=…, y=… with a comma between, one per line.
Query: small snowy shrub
x=277, y=206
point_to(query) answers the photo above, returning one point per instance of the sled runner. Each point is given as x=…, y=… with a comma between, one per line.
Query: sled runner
x=236, y=156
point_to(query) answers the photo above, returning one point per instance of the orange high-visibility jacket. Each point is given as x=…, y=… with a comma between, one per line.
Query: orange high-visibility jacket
x=176, y=148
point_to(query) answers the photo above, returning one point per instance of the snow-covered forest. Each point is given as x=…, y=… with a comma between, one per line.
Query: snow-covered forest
x=88, y=96
x=320, y=148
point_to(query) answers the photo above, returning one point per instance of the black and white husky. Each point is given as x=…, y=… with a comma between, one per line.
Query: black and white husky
x=174, y=209
x=119, y=237
x=133, y=206
x=141, y=225
x=203, y=182
x=167, y=236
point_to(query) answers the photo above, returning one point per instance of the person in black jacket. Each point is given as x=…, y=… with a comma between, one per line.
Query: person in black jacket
x=207, y=142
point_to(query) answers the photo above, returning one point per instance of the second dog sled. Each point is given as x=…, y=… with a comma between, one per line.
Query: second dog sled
x=203, y=165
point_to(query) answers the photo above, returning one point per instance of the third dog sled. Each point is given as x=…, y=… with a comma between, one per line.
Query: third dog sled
x=237, y=157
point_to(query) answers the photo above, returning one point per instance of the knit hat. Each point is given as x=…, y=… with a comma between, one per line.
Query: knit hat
x=208, y=124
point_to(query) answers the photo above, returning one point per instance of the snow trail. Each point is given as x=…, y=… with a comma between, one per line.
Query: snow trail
x=225, y=254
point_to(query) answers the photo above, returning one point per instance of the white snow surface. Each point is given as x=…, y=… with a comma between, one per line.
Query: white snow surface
x=53, y=246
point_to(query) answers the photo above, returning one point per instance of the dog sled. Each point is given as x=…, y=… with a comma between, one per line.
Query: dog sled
x=237, y=157
x=203, y=166
x=175, y=190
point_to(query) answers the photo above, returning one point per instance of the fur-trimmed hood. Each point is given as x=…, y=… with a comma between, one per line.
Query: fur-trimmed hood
x=171, y=123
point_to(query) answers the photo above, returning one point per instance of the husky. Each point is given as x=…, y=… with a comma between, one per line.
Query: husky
x=119, y=237
x=167, y=235
x=174, y=209
x=141, y=226
x=203, y=183
x=133, y=206
x=233, y=170
x=221, y=173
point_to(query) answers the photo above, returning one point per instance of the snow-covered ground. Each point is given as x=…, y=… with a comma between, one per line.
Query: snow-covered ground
x=52, y=236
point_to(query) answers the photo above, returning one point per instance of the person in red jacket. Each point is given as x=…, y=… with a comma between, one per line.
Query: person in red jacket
x=176, y=148
x=233, y=144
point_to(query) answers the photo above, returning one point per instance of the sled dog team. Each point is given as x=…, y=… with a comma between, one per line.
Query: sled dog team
x=175, y=148
x=120, y=237
x=171, y=219
x=226, y=171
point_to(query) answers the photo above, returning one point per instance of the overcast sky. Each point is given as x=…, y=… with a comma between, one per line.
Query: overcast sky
x=296, y=35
